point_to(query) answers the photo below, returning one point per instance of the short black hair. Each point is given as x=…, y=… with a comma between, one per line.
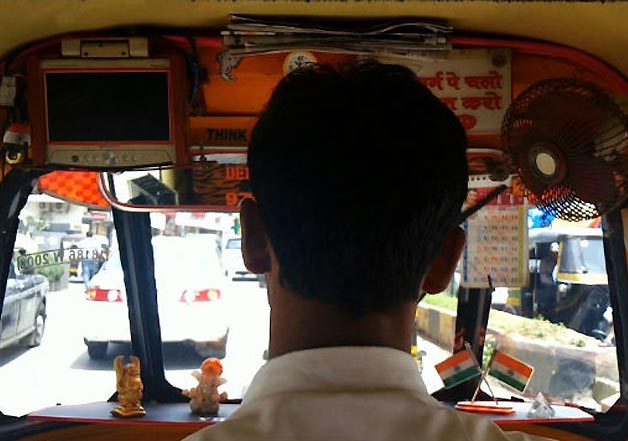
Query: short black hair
x=359, y=172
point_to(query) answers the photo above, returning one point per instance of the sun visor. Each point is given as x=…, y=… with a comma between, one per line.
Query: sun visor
x=78, y=187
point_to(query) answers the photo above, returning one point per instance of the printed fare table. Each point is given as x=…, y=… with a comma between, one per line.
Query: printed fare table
x=496, y=245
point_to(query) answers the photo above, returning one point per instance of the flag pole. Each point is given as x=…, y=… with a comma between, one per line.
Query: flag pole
x=477, y=389
x=484, y=379
x=491, y=287
x=489, y=386
x=488, y=365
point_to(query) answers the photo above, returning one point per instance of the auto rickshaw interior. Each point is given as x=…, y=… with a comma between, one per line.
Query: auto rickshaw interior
x=152, y=124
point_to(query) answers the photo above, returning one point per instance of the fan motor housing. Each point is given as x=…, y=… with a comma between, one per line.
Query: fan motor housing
x=547, y=163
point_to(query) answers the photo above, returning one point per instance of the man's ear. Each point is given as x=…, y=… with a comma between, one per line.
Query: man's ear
x=255, y=246
x=444, y=264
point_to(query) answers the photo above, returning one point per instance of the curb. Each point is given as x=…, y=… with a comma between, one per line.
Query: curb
x=567, y=372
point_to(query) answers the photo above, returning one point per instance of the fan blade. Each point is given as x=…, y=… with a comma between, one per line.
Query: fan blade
x=591, y=179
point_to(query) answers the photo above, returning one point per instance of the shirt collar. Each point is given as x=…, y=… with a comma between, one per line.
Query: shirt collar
x=337, y=368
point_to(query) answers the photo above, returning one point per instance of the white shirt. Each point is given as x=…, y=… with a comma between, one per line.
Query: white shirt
x=345, y=394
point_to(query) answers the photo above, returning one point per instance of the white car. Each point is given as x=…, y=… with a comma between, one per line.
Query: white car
x=190, y=294
x=232, y=260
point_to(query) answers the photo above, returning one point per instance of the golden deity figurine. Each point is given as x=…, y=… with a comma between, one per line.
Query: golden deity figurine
x=129, y=386
x=205, y=398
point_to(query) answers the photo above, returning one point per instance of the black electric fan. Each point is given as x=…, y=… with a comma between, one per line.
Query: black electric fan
x=569, y=143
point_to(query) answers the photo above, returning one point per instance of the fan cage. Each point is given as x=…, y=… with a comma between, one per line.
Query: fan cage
x=591, y=131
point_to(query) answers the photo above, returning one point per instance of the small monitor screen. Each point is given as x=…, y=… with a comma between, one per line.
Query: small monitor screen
x=107, y=106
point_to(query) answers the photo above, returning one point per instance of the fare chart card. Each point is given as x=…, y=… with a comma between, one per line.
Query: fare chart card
x=496, y=245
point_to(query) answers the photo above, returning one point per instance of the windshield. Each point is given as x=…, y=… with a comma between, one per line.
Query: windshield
x=583, y=255
x=196, y=254
x=564, y=321
x=73, y=304
x=233, y=244
x=50, y=317
x=203, y=312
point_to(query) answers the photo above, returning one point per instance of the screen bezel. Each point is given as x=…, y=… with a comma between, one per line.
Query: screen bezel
x=150, y=153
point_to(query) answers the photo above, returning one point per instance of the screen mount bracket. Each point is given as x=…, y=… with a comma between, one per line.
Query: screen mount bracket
x=126, y=47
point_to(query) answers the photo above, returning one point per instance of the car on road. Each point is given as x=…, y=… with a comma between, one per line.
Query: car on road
x=190, y=295
x=233, y=262
x=24, y=311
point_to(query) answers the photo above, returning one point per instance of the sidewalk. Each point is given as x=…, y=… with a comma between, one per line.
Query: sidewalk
x=433, y=354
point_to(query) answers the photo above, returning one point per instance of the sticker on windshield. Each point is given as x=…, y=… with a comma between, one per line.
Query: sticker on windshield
x=25, y=262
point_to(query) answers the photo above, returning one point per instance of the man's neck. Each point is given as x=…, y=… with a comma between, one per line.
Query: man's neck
x=298, y=323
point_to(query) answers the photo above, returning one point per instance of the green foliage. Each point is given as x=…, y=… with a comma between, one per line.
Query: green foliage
x=36, y=224
x=580, y=343
x=441, y=300
x=52, y=272
x=489, y=347
x=538, y=328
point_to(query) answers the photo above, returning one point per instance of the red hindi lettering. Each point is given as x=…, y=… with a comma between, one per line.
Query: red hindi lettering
x=492, y=81
x=435, y=82
x=468, y=121
x=473, y=82
x=453, y=79
x=491, y=101
x=471, y=102
x=495, y=79
x=450, y=102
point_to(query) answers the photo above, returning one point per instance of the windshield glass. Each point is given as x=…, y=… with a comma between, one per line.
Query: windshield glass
x=210, y=313
x=50, y=316
x=204, y=311
x=234, y=244
x=562, y=327
x=234, y=326
x=583, y=255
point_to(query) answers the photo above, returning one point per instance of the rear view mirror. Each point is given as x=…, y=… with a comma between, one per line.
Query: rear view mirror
x=217, y=179
x=216, y=182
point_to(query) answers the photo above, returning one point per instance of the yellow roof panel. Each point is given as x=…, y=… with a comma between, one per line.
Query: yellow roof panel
x=597, y=28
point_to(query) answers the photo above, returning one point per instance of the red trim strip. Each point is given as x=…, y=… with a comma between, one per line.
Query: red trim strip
x=204, y=41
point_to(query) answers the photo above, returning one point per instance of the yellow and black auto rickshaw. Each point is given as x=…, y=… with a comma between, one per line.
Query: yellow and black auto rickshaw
x=568, y=280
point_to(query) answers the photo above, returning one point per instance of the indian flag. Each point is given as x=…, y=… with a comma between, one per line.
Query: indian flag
x=511, y=371
x=458, y=368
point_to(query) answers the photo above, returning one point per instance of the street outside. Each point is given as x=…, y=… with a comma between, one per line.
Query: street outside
x=60, y=371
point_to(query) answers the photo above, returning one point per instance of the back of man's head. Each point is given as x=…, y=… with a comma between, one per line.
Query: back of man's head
x=359, y=173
